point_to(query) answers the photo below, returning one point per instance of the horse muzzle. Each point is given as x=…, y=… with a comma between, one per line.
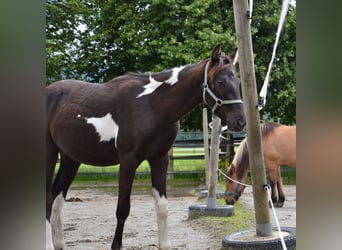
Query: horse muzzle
x=237, y=125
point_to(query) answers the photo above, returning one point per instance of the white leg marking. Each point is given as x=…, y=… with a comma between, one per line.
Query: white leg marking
x=56, y=222
x=48, y=236
x=105, y=126
x=162, y=211
x=153, y=85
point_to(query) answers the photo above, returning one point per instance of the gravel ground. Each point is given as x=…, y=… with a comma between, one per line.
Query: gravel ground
x=89, y=221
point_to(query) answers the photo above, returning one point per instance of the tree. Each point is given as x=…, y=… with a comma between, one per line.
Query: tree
x=140, y=35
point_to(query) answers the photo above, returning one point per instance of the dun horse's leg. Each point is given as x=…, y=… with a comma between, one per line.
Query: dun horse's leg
x=281, y=198
x=128, y=165
x=159, y=171
x=66, y=173
x=273, y=175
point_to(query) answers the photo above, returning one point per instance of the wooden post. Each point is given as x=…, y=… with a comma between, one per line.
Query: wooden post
x=206, y=145
x=213, y=162
x=249, y=92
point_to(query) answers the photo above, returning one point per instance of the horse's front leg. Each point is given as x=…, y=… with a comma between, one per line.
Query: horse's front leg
x=159, y=171
x=128, y=165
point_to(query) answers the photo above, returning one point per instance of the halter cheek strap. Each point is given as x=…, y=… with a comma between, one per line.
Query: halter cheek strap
x=235, y=193
x=218, y=102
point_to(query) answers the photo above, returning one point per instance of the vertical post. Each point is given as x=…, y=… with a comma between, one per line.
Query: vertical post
x=206, y=145
x=249, y=92
x=213, y=162
x=170, y=166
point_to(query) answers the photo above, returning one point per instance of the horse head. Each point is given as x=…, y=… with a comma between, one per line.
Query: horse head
x=222, y=89
x=234, y=186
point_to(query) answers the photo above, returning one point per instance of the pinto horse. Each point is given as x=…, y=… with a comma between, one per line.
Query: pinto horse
x=127, y=120
x=279, y=147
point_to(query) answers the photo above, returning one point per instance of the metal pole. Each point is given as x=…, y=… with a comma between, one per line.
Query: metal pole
x=213, y=162
x=249, y=92
x=206, y=145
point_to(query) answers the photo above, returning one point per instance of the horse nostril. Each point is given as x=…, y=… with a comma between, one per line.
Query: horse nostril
x=241, y=123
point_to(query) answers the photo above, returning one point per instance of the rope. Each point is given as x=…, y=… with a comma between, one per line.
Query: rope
x=267, y=188
x=263, y=92
x=243, y=184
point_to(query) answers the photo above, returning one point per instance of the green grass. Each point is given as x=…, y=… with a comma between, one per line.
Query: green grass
x=88, y=173
x=220, y=227
x=179, y=165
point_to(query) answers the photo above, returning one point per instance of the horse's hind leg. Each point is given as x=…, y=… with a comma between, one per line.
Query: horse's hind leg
x=273, y=174
x=51, y=159
x=159, y=171
x=281, y=194
x=66, y=173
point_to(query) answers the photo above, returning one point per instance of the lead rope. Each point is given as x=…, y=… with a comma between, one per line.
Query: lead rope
x=237, y=182
x=267, y=188
x=263, y=91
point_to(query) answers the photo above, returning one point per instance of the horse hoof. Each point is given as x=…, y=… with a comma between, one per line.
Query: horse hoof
x=279, y=204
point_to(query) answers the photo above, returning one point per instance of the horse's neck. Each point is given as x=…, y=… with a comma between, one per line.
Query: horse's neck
x=183, y=96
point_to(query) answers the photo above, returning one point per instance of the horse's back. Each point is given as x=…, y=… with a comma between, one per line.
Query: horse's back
x=280, y=145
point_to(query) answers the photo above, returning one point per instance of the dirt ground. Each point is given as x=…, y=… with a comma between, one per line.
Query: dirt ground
x=89, y=221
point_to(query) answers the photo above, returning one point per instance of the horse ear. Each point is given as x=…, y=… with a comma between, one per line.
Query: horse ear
x=234, y=56
x=216, y=53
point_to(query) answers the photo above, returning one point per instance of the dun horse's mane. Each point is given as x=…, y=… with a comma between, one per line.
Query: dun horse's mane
x=268, y=127
x=241, y=158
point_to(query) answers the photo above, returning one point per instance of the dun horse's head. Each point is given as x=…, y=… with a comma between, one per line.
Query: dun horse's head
x=222, y=89
x=233, y=189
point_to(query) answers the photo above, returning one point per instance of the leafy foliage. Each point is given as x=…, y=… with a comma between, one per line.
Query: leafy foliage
x=98, y=40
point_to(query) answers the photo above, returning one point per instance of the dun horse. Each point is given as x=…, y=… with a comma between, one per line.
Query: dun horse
x=127, y=120
x=279, y=147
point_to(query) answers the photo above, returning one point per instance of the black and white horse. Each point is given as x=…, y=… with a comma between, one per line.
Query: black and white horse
x=129, y=119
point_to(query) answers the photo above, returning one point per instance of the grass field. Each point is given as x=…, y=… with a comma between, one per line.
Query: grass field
x=179, y=165
x=197, y=166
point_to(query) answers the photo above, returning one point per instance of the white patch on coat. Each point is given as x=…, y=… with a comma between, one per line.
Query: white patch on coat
x=105, y=126
x=150, y=87
x=56, y=222
x=174, y=77
x=154, y=84
x=48, y=237
x=162, y=211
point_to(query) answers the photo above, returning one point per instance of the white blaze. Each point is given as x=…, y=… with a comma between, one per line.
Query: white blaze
x=162, y=211
x=105, y=126
x=153, y=85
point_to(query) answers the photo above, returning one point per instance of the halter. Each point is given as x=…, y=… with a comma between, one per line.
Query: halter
x=218, y=102
x=235, y=193
x=239, y=183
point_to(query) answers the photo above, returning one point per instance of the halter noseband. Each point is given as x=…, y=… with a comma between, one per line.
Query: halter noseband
x=218, y=102
x=235, y=193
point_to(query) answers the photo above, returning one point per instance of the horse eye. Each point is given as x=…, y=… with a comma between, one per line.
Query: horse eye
x=226, y=61
x=219, y=82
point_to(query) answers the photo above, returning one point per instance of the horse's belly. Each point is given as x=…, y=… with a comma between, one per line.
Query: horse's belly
x=97, y=154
